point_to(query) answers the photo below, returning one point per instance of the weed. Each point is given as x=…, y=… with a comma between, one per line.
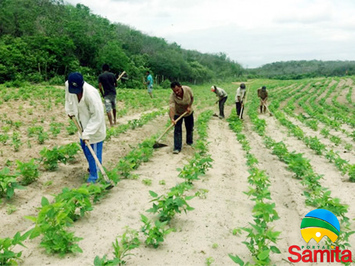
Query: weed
x=147, y=182
x=10, y=209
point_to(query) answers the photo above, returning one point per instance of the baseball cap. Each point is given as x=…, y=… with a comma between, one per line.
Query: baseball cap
x=76, y=82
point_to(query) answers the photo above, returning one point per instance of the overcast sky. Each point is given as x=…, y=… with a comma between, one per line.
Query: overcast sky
x=250, y=32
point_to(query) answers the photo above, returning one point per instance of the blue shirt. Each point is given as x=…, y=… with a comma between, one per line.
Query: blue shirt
x=149, y=80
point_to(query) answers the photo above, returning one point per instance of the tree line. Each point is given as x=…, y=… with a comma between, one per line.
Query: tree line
x=44, y=40
x=303, y=69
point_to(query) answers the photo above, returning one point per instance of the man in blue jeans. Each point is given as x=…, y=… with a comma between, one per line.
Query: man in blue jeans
x=181, y=100
x=83, y=102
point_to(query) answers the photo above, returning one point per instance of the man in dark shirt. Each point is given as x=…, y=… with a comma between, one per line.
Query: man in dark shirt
x=107, y=86
x=262, y=94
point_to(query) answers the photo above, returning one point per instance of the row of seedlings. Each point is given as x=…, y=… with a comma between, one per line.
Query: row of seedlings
x=262, y=237
x=165, y=206
x=316, y=195
x=71, y=204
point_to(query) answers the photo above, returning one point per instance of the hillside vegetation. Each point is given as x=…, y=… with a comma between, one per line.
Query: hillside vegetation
x=44, y=40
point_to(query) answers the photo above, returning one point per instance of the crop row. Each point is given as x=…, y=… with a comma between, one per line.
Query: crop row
x=316, y=195
x=261, y=236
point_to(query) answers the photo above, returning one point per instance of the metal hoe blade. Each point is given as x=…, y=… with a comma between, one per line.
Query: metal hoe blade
x=159, y=145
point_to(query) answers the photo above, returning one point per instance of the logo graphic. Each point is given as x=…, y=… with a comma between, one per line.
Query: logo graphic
x=319, y=223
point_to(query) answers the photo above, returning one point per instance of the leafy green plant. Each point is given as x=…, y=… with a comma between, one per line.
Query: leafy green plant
x=10, y=208
x=129, y=241
x=209, y=261
x=55, y=128
x=52, y=221
x=4, y=138
x=16, y=141
x=29, y=171
x=64, y=154
x=155, y=234
x=7, y=255
x=71, y=129
x=77, y=202
x=351, y=172
x=147, y=182
x=8, y=183
x=168, y=205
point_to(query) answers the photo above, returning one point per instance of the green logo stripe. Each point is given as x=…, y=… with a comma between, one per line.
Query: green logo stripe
x=314, y=222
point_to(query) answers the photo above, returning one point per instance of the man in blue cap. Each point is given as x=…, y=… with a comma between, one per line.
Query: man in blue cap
x=83, y=101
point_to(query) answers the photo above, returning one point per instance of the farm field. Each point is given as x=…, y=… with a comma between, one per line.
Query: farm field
x=265, y=173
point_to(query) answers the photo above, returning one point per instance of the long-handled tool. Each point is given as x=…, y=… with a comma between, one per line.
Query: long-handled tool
x=93, y=154
x=215, y=113
x=242, y=109
x=159, y=145
x=267, y=108
x=124, y=72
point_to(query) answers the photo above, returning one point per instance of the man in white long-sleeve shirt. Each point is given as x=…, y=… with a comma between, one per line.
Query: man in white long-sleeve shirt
x=84, y=102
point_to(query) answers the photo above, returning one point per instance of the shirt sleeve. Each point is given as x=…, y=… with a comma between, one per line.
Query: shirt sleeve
x=171, y=101
x=70, y=106
x=94, y=123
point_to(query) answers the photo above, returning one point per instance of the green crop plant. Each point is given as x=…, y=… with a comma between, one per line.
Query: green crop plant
x=77, y=202
x=336, y=140
x=7, y=255
x=168, y=205
x=52, y=221
x=298, y=164
x=64, y=154
x=4, y=138
x=55, y=128
x=8, y=183
x=155, y=233
x=209, y=261
x=325, y=132
x=315, y=144
x=348, y=147
x=28, y=171
x=16, y=141
x=258, y=245
x=135, y=157
x=122, y=249
x=196, y=167
x=71, y=129
x=351, y=172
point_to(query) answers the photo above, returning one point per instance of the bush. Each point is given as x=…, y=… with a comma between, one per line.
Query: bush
x=165, y=84
x=57, y=80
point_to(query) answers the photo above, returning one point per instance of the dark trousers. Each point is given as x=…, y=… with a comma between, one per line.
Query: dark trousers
x=239, y=107
x=189, y=125
x=221, y=106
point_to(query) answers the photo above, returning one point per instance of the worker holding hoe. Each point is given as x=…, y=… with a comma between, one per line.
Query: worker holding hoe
x=262, y=94
x=180, y=103
x=83, y=103
x=107, y=87
x=239, y=100
x=222, y=98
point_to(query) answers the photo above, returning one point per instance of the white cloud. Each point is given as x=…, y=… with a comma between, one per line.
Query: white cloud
x=251, y=32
